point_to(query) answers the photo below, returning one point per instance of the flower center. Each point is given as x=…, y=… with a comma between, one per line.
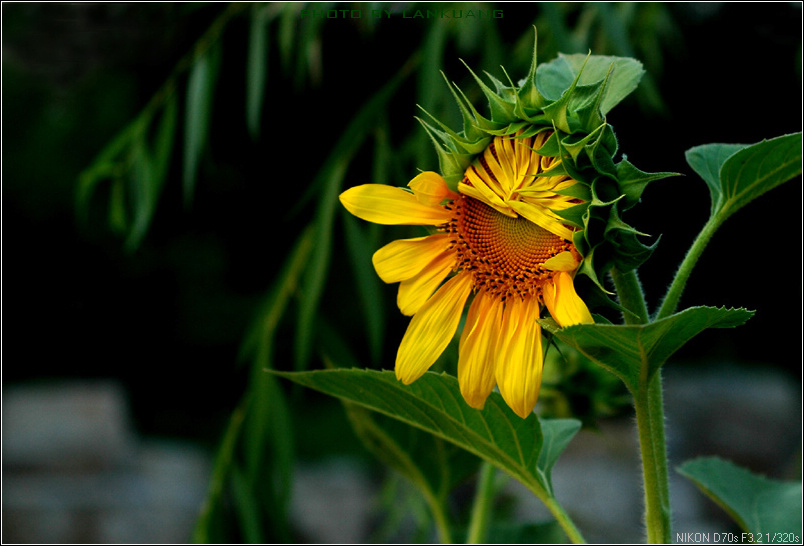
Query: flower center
x=504, y=255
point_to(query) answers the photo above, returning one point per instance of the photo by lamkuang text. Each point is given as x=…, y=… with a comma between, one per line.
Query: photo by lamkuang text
x=405, y=14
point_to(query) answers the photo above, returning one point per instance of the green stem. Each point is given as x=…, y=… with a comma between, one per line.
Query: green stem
x=564, y=520
x=629, y=292
x=673, y=295
x=649, y=406
x=650, y=425
x=441, y=522
x=481, y=509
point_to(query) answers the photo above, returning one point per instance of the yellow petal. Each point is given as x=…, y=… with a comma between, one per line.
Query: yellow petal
x=477, y=350
x=563, y=261
x=520, y=361
x=564, y=304
x=486, y=196
x=431, y=189
x=431, y=330
x=503, y=166
x=415, y=291
x=391, y=206
x=541, y=217
x=402, y=259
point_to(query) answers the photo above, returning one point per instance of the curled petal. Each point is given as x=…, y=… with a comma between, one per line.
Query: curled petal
x=542, y=217
x=431, y=189
x=563, y=261
x=564, y=304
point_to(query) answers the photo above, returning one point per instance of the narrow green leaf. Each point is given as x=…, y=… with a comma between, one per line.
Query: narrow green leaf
x=163, y=141
x=526, y=533
x=106, y=165
x=141, y=193
x=148, y=174
x=268, y=446
x=434, y=404
x=325, y=186
x=268, y=452
x=316, y=271
x=200, y=87
x=256, y=68
x=367, y=283
x=432, y=464
x=118, y=217
x=260, y=335
x=288, y=21
x=768, y=510
x=247, y=510
x=204, y=531
x=627, y=350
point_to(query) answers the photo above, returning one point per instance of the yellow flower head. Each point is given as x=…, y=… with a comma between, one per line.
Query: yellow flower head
x=526, y=199
x=500, y=239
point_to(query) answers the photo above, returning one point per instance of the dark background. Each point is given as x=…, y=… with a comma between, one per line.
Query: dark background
x=168, y=318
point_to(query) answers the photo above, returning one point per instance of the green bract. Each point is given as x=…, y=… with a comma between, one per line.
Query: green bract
x=571, y=95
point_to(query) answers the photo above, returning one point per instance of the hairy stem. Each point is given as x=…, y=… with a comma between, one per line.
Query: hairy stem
x=629, y=292
x=676, y=288
x=650, y=425
x=649, y=406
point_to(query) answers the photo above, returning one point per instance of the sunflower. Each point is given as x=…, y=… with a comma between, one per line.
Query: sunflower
x=499, y=240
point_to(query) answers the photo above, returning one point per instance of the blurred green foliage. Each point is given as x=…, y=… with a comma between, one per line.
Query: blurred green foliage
x=200, y=149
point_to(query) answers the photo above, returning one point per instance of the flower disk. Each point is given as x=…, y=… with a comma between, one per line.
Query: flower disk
x=505, y=255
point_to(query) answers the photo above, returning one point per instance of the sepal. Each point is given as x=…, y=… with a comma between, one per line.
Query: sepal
x=571, y=96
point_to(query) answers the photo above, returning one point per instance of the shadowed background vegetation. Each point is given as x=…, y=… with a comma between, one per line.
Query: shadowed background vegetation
x=170, y=182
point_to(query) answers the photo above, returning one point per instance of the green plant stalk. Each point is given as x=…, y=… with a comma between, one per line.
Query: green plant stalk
x=564, y=520
x=676, y=288
x=629, y=292
x=649, y=406
x=558, y=512
x=441, y=520
x=650, y=427
x=482, y=507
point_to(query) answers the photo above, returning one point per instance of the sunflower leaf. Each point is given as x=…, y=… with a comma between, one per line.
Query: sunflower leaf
x=767, y=509
x=555, y=77
x=627, y=350
x=624, y=77
x=524, y=448
x=736, y=174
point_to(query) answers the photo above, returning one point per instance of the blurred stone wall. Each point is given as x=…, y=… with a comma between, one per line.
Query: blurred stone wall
x=74, y=470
